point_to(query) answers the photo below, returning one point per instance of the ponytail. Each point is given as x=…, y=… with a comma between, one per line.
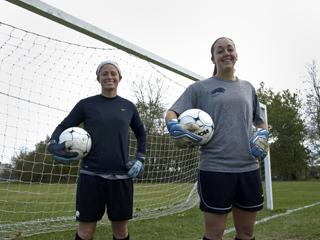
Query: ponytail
x=215, y=70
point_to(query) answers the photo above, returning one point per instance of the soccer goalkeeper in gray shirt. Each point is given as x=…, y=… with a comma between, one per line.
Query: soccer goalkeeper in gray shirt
x=229, y=178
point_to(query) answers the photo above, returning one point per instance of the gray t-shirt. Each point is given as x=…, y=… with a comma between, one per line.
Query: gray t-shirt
x=234, y=108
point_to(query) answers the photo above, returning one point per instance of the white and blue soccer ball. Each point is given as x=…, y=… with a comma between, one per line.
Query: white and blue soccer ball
x=80, y=140
x=202, y=120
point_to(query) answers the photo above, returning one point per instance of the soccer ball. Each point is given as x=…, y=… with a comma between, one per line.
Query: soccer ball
x=80, y=139
x=202, y=120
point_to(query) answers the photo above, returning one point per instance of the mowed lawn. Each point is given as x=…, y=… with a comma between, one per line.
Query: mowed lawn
x=296, y=216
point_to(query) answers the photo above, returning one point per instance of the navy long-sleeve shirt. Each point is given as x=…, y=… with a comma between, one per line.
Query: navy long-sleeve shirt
x=108, y=121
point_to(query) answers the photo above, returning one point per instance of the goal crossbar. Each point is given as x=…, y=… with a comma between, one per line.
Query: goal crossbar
x=88, y=29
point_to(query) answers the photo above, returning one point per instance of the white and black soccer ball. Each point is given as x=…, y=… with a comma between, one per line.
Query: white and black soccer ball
x=80, y=139
x=203, y=121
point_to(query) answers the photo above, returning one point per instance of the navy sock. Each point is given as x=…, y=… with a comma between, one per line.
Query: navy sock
x=240, y=239
x=77, y=237
x=126, y=238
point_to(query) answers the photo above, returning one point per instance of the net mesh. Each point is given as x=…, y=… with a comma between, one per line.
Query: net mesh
x=41, y=79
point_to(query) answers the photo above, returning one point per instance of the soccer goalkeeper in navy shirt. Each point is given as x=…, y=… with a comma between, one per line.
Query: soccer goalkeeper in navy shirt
x=106, y=173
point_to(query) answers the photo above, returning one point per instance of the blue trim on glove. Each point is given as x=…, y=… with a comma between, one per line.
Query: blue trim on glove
x=60, y=153
x=176, y=131
x=63, y=160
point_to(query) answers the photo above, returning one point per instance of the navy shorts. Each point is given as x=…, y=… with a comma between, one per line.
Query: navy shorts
x=96, y=194
x=219, y=191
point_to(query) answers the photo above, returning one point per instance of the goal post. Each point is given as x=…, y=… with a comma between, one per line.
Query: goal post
x=267, y=166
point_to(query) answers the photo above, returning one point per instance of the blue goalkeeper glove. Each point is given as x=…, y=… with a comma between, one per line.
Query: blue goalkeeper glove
x=177, y=132
x=136, y=166
x=60, y=152
x=259, y=144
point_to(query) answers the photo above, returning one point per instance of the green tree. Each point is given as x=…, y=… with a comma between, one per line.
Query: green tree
x=288, y=153
x=5, y=171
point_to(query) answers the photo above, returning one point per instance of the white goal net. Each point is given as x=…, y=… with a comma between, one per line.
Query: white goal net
x=41, y=79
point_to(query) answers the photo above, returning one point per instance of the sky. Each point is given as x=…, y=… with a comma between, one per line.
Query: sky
x=275, y=39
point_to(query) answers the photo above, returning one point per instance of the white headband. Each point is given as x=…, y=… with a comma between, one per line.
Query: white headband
x=108, y=62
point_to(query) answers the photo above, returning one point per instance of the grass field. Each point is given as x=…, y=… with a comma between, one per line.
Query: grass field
x=41, y=201
x=296, y=216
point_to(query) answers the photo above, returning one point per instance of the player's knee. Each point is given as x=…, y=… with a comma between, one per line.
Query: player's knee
x=245, y=232
x=120, y=230
x=215, y=232
x=86, y=230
